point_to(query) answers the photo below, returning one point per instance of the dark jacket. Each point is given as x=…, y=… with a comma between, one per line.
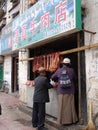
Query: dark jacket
x=41, y=93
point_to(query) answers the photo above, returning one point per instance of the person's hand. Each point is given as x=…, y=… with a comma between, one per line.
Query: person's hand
x=52, y=82
x=56, y=85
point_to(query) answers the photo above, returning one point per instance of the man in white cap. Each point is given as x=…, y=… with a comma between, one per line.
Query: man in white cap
x=66, y=89
x=41, y=96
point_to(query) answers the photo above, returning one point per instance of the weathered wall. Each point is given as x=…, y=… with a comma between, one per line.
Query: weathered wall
x=7, y=71
x=10, y=13
x=23, y=6
x=91, y=23
x=23, y=69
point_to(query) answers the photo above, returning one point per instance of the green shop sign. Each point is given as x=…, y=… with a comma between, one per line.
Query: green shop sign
x=45, y=20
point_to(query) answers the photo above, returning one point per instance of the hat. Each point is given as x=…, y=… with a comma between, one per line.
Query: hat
x=41, y=69
x=66, y=60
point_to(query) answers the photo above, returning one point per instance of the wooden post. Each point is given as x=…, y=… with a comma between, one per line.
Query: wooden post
x=79, y=76
x=79, y=49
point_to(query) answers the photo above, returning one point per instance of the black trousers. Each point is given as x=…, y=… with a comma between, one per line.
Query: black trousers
x=38, y=115
x=0, y=110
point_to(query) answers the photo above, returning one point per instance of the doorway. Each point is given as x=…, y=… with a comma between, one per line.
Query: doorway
x=15, y=70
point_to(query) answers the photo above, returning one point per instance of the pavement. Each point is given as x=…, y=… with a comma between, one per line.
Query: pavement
x=16, y=116
x=12, y=118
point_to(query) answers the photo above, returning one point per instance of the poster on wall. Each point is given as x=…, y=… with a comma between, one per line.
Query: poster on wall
x=45, y=20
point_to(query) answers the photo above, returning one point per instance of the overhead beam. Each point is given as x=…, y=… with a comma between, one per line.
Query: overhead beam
x=69, y=51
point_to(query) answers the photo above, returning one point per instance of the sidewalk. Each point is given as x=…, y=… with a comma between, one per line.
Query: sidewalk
x=16, y=116
x=12, y=118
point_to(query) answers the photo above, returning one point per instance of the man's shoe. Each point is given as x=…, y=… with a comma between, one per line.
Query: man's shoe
x=43, y=128
x=34, y=128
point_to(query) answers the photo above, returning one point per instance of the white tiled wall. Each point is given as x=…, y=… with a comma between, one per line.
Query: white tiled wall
x=23, y=71
x=91, y=55
x=7, y=71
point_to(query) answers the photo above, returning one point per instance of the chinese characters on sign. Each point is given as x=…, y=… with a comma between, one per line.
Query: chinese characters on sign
x=16, y=36
x=53, y=18
x=60, y=12
x=32, y=26
x=44, y=20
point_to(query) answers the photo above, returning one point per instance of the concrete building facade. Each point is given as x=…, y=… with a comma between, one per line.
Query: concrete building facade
x=86, y=63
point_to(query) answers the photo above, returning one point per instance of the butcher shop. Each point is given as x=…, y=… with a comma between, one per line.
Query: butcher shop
x=44, y=37
x=64, y=39
x=58, y=34
x=50, y=56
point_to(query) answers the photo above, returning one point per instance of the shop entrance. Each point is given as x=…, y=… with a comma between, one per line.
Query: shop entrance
x=15, y=64
x=77, y=62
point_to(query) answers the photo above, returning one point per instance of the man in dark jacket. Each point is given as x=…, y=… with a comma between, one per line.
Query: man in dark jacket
x=41, y=96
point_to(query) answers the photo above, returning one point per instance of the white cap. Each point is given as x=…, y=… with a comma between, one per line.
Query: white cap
x=66, y=60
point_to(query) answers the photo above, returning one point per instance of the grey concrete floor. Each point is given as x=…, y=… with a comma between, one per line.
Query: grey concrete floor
x=12, y=118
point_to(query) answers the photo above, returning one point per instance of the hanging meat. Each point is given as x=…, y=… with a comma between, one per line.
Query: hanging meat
x=44, y=59
x=54, y=60
x=49, y=62
x=36, y=64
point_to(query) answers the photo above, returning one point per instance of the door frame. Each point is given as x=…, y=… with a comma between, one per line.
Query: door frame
x=14, y=73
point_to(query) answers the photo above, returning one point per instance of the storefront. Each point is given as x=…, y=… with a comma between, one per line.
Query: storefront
x=43, y=36
x=10, y=58
x=63, y=43
x=44, y=56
